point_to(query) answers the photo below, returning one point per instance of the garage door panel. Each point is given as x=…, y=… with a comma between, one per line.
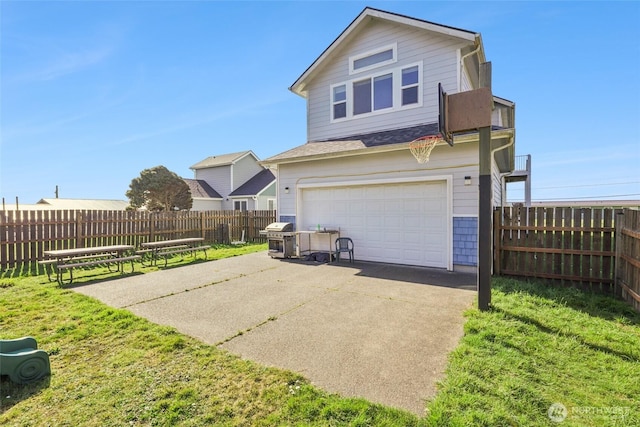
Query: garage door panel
x=398, y=223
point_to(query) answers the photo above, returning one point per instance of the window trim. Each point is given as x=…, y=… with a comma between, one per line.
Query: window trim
x=394, y=58
x=334, y=102
x=246, y=202
x=397, y=87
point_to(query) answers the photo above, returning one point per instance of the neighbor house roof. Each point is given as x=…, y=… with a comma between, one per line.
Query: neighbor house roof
x=200, y=189
x=352, y=143
x=83, y=204
x=255, y=185
x=365, y=16
x=222, y=160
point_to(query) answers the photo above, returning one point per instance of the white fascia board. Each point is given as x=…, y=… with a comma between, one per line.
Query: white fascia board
x=358, y=152
x=265, y=188
x=207, y=199
x=236, y=160
x=298, y=87
x=470, y=137
x=425, y=25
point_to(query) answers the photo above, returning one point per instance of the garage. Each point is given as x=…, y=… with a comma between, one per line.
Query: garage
x=391, y=222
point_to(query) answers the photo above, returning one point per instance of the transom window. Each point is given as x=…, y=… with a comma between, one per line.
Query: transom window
x=384, y=91
x=373, y=59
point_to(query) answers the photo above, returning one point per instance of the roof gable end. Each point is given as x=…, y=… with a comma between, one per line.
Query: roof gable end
x=255, y=185
x=368, y=13
x=223, y=160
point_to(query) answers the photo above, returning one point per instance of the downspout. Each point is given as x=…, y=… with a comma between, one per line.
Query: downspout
x=502, y=175
x=473, y=52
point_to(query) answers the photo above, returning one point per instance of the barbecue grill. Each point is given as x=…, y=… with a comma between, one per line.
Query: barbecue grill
x=281, y=237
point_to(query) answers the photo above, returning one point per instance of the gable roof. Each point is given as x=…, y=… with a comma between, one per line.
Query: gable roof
x=255, y=185
x=200, y=189
x=370, y=13
x=87, y=204
x=223, y=160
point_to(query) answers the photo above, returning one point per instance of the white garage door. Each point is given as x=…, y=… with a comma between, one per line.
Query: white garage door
x=404, y=223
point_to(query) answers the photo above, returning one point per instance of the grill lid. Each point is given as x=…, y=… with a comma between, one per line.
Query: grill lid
x=279, y=227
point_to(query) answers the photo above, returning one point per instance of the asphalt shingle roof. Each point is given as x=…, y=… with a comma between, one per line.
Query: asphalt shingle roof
x=255, y=184
x=200, y=188
x=220, y=160
x=356, y=142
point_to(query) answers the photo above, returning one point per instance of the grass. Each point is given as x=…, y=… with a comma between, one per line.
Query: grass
x=536, y=347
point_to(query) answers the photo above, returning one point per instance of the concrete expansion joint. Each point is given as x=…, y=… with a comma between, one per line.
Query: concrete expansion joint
x=264, y=322
x=197, y=288
x=384, y=297
x=270, y=319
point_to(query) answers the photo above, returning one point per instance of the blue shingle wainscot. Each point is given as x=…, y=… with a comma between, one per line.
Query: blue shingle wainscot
x=465, y=241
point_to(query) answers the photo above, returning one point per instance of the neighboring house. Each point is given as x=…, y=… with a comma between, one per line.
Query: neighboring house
x=204, y=197
x=370, y=93
x=239, y=180
x=83, y=204
x=259, y=193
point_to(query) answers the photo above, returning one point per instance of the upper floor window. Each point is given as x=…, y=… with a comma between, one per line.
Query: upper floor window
x=373, y=59
x=339, y=99
x=410, y=84
x=388, y=90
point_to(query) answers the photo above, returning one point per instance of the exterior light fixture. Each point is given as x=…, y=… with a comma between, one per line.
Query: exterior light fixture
x=286, y=190
x=467, y=180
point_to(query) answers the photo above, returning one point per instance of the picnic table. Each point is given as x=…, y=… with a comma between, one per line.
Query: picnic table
x=152, y=251
x=68, y=259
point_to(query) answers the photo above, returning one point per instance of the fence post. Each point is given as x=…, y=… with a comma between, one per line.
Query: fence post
x=151, y=227
x=497, y=247
x=617, y=264
x=202, y=230
x=79, y=221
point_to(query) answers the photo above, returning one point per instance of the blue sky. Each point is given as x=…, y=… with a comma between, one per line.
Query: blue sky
x=92, y=93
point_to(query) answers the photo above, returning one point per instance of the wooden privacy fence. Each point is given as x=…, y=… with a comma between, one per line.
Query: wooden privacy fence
x=628, y=256
x=571, y=246
x=24, y=235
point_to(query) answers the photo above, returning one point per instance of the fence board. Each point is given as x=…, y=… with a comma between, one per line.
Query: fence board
x=628, y=260
x=24, y=235
x=572, y=247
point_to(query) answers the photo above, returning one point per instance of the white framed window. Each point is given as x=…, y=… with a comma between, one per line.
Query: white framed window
x=241, y=204
x=384, y=91
x=410, y=85
x=271, y=204
x=339, y=100
x=374, y=58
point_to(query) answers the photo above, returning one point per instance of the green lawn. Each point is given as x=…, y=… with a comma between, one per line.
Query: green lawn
x=537, y=347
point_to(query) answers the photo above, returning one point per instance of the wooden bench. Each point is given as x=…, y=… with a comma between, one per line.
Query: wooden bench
x=166, y=248
x=68, y=259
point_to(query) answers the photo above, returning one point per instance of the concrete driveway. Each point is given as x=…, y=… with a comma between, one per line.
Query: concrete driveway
x=369, y=330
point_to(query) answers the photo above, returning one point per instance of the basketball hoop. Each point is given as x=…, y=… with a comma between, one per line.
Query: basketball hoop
x=421, y=147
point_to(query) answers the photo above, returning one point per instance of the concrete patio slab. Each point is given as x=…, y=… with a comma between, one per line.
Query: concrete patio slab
x=382, y=332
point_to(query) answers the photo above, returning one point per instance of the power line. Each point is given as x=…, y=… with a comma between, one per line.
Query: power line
x=587, y=185
x=590, y=197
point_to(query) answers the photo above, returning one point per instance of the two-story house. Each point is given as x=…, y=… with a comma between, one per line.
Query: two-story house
x=233, y=181
x=370, y=93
